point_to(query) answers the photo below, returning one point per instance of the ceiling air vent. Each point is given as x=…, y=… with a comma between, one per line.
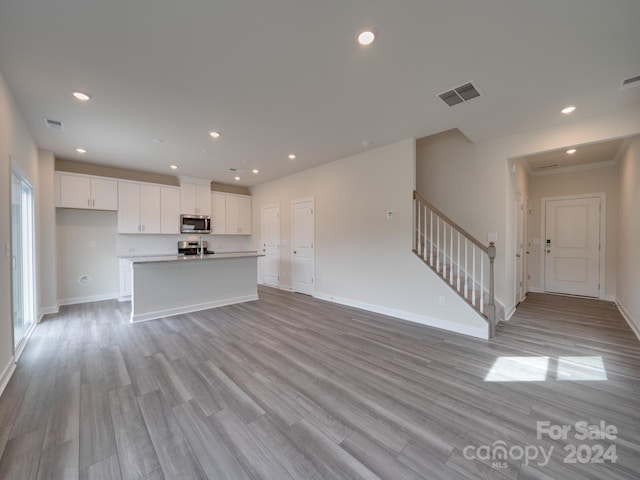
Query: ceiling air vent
x=630, y=82
x=55, y=124
x=544, y=167
x=460, y=94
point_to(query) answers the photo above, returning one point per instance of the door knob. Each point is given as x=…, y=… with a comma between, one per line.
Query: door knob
x=295, y=253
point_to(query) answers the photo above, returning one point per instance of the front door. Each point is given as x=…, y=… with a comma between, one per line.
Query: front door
x=572, y=246
x=303, y=251
x=270, y=263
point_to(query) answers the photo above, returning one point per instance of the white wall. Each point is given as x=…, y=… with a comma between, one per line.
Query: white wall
x=629, y=235
x=46, y=228
x=75, y=230
x=470, y=182
x=15, y=143
x=576, y=183
x=363, y=258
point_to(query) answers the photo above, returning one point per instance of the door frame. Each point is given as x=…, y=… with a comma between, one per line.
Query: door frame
x=262, y=209
x=293, y=237
x=32, y=306
x=518, y=200
x=603, y=236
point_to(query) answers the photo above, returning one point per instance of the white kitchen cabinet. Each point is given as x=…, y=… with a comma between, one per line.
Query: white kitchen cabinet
x=139, y=210
x=170, y=210
x=195, y=199
x=124, y=292
x=231, y=214
x=86, y=192
x=244, y=215
x=218, y=213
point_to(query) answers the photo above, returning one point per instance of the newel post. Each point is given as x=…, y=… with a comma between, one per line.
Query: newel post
x=492, y=299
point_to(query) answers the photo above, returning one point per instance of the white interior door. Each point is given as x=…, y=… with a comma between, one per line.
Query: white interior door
x=572, y=246
x=270, y=263
x=303, y=247
x=519, y=248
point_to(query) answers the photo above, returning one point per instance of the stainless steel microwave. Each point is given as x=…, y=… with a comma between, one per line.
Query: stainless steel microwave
x=195, y=224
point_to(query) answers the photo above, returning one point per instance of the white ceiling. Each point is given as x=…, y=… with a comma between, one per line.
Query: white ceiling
x=282, y=76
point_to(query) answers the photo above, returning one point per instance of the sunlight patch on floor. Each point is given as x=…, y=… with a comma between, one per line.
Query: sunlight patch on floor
x=540, y=369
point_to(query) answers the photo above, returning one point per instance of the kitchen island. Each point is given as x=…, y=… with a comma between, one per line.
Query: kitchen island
x=167, y=285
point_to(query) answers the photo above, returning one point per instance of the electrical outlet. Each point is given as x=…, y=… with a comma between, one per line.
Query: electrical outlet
x=92, y=244
x=390, y=214
x=441, y=300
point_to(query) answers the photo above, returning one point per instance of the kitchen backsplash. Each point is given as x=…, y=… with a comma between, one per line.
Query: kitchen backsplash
x=128, y=245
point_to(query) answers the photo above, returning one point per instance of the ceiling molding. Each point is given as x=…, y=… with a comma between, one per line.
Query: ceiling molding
x=575, y=168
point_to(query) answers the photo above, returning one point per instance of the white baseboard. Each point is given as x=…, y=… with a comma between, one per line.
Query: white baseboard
x=5, y=376
x=124, y=298
x=94, y=298
x=609, y=298
x=286, y=288
x=635, y=325
x=143, y=317
x=476, y=332
x=47, y=311
x=536, y=290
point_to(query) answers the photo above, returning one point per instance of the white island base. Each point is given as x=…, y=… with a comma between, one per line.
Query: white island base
x=166, y=286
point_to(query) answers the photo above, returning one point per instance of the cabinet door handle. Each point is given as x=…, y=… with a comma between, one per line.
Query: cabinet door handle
x=88, y=202
x=94, y=202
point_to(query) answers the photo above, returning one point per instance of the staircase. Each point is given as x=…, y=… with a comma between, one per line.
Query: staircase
x=457, y=257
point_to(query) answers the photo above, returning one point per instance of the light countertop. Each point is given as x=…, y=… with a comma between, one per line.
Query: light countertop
x=189, y=258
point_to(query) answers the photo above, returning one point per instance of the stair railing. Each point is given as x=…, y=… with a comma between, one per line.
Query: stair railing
x=460, y=259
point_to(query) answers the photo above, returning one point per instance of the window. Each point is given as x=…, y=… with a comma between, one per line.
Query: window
x=22, y=258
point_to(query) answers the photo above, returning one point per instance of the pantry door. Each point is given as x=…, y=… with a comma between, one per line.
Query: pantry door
x=270, y=263
x=572, y=245
x=303, y=246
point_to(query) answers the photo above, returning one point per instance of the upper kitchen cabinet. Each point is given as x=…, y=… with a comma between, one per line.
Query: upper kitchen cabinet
x=231, y=214
x=84, y=191
x=139, y=210
x=195, y=199
x=170, y=210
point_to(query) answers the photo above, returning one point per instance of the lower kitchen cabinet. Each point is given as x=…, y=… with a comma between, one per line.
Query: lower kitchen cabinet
x=124, y=292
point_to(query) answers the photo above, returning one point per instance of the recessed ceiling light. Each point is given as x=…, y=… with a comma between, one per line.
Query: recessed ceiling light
x=571, y=151
x=366, y=38
x=292, y=156
x=568, y=109
x=255, y=170
x=174, y=167
x=83, y=97
x=237, y=178
x=214, y=134
x=81, y=150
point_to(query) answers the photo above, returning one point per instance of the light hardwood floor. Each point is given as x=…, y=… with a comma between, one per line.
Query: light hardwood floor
x=289, y=387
